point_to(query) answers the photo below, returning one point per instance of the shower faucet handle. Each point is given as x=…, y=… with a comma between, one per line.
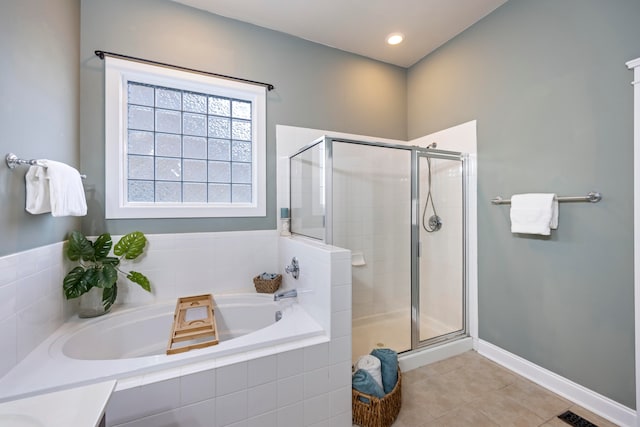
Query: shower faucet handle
x=293, y=268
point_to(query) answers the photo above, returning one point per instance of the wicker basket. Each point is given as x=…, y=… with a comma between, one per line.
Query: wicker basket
x=267, y=286
x=377, y=412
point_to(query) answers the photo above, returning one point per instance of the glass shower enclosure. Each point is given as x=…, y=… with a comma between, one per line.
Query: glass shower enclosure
x=400, y=210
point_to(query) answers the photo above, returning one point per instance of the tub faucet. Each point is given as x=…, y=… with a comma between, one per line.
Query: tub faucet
x=291, y=293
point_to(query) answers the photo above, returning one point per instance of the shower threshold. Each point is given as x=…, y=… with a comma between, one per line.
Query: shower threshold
x=368, y=333
x=417, y=358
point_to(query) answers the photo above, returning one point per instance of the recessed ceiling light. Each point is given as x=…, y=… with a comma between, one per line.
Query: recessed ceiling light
x=395, y=38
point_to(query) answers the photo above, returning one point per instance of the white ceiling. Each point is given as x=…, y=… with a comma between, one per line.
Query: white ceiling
x=361, y=26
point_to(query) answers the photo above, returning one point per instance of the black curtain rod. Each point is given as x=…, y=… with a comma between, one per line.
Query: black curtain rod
x=101, y=54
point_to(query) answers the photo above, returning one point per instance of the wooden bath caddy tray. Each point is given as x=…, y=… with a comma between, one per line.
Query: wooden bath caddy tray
x=194, y=324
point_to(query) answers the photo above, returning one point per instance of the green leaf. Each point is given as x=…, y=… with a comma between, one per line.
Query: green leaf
x=78, y=281
x=106, y=277
x=109, y=296
x=79, y=247
x=89, y=279
x=71, y=283
x=140, y=279
x=131, y=245
x=102, y=246
x=112, y=261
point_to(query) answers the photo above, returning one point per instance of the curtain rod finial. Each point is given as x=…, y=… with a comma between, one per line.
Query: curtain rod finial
x=99, y=54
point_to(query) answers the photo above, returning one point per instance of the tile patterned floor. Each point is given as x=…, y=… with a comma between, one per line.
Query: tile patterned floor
x=471, y=390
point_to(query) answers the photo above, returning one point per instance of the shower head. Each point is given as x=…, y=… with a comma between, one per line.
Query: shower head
x=432, y=145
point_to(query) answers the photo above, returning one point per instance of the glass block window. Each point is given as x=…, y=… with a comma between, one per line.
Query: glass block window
x=180, y=144
x=187, y=147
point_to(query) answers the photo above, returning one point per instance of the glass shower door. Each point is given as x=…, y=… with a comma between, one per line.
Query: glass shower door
x=441, y=265
x=372, y=217
x=400, y=210
x=307, y=191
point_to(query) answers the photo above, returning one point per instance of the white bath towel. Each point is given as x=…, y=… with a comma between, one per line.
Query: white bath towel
x=535, y=213
x=372, y=365
x=38, y=199
x=55, y=187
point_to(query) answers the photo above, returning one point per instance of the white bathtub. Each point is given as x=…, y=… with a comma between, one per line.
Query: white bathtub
x=144, y=331
x=129, y=344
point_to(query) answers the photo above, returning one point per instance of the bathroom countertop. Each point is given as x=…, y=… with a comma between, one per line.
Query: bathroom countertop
x=80, y=406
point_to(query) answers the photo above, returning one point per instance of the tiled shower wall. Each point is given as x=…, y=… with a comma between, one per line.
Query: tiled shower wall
x=441, y=261
x=372, y=217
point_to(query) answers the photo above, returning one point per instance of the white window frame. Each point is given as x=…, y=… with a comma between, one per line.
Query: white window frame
x=118, y=73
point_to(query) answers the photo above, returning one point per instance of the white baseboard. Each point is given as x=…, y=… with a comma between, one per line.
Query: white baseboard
x=589, y=399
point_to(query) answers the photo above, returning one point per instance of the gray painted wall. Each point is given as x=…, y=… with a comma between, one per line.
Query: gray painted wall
x=545, y=79
x=547, y=82
x=316, y=86
x=39, y=98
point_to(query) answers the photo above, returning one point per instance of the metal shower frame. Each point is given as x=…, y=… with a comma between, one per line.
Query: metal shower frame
x=416, y=153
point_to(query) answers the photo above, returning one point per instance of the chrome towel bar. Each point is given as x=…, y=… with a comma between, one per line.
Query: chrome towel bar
x=13, y=161
x=593, y=197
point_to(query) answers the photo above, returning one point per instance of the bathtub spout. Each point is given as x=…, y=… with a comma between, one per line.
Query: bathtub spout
x=291, y=293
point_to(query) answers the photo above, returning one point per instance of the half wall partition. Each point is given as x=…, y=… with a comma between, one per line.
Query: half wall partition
x=400, y=210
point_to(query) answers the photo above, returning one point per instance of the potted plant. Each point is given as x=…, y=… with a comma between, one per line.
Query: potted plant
x=97, y=270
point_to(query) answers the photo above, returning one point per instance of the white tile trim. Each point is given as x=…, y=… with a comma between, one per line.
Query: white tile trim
x=589, y=399
x=635, y=65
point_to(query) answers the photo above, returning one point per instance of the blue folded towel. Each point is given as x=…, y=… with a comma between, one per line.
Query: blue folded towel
x=364, y=383
x=388, y=366
x=268, y=276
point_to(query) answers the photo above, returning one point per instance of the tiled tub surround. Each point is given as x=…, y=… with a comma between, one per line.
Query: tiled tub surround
x=305, y=386
x=291, y=384
x=32, y=305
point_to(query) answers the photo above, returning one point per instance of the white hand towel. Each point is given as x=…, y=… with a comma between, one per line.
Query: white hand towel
x=38, y=198
x=535, y=213
x=66, y=189
x=372, y=365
